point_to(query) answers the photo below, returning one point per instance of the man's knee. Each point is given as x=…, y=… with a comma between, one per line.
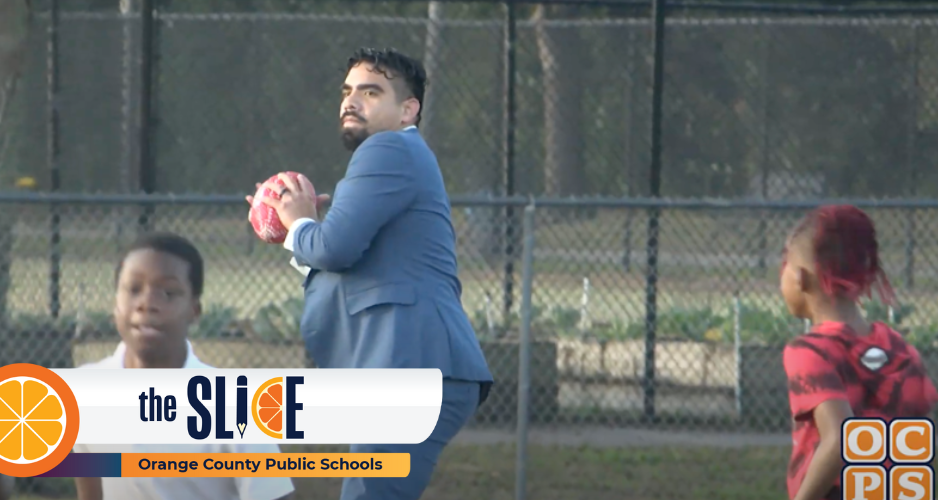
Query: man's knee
x=423, y=459
x=460, y=401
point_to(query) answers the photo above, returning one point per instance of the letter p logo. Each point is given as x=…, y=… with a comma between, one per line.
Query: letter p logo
x=864, y=482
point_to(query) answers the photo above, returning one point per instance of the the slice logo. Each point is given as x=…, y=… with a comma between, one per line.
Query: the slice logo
x=273, y=408
x=38, y=420
x=909, y=444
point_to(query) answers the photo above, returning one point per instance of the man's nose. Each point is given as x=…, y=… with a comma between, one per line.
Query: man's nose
x=350, y=104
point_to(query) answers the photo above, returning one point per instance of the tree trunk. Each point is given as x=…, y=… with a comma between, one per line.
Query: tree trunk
x=431, y=60
x=561, y=61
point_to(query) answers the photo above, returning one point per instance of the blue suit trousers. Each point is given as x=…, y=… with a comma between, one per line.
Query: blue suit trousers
x=460, y=401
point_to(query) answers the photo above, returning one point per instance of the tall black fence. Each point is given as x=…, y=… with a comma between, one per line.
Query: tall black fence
x=654, y=323
x=551, y=99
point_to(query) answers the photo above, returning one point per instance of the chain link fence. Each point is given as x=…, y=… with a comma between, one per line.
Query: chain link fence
x=718, y=412
x=780, y=106
x=777, y=105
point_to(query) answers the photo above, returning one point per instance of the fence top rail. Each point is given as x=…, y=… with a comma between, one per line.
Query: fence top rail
x=8, y=197
x=798, y=18
x=718, y=5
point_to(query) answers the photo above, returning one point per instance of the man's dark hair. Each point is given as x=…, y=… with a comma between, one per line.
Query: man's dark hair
x=392, y=64
x=175, y=245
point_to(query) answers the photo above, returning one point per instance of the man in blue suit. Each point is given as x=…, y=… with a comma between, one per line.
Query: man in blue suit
x=381, y=281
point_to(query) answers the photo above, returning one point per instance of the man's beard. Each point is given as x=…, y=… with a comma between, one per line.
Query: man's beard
x=352, y=138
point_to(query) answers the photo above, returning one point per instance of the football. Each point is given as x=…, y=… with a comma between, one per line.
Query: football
x=264, y=219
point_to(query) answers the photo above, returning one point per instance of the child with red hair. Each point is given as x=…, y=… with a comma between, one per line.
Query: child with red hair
x=845, y=366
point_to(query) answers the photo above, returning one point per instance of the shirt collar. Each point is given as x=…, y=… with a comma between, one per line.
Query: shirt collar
x=192, y=361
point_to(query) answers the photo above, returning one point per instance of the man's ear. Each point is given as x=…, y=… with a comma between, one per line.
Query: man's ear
x=411, y=109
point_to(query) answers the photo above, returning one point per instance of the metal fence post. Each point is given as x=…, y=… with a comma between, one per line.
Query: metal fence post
x=651, y=288
x=765, y=143
x=912, y=158
x=52, y=156
x=509, y=155
x=631, y=120
x=737, y=352
x=146, y=168
x=524, y=353
x=128, y=10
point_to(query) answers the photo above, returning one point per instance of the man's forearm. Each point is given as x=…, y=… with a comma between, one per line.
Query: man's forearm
x=823, y=471
x=289, y=243
x=311, y=252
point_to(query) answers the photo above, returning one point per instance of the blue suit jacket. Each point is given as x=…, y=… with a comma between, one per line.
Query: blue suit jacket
x=383, y=290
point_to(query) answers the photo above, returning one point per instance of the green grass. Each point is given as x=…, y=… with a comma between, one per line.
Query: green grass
x=703, y=261
x=476, y=472
x=248, y=284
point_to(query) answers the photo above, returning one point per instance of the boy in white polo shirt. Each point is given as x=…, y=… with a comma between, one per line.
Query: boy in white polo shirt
x=159, y=287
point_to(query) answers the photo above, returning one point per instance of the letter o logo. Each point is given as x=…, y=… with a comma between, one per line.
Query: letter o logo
x=853, y=441
x=864, y=440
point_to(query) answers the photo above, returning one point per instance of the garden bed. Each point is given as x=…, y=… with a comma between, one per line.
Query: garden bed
x=680, y=362
x=503, y=359
x=695, y=351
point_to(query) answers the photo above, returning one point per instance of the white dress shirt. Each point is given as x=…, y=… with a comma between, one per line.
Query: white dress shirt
x=188, y=488
x=288, y=243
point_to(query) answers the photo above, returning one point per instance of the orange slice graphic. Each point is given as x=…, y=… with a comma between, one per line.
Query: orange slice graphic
x=32, y=420
x=38, y=420
x=267, y=408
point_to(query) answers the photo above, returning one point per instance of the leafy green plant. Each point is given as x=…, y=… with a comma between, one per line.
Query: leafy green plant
x=764, y=325
x=279, y=322
x=95, y=324
x=758, y=324
x=563, y=318
x=485, y=331
x=216, y=322
x=537, y=316
x=877, y=311
x=99, y=325
x=681, y=323
x=28, y=322
x=615, y=331
x=921, y=336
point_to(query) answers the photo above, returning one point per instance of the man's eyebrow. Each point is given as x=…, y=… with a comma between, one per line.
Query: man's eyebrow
x=364, y=86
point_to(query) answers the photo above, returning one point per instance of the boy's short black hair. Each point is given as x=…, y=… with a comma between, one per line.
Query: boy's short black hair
x=393, y=64
x=175, y=245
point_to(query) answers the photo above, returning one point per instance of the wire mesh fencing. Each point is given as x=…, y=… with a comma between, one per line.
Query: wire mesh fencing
x=775, y=105
x=650, y=358
x=713, y=408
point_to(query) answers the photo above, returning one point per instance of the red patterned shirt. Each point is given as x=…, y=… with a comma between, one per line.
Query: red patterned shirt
x=880, y=375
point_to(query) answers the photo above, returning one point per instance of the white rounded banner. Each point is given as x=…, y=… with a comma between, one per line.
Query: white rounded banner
x=315, y=406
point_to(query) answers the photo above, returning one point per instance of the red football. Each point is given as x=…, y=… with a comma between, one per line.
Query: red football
x=264, y=219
